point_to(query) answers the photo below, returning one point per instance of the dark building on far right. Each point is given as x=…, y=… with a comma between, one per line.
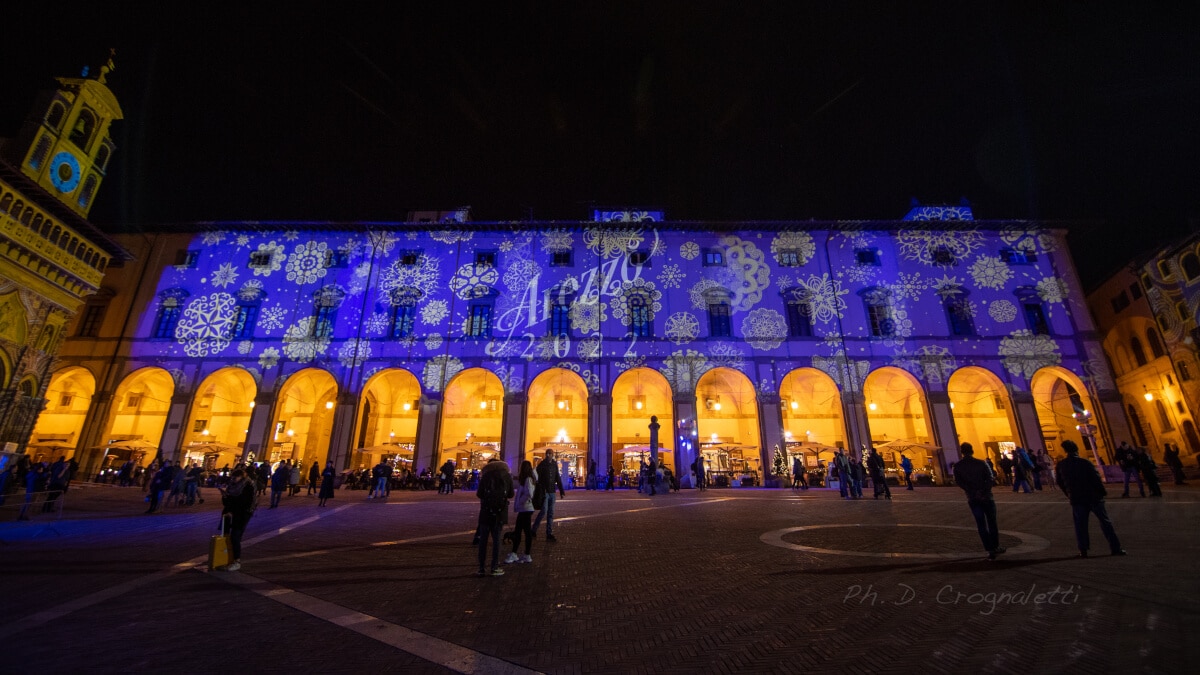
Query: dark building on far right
x=1147, y=317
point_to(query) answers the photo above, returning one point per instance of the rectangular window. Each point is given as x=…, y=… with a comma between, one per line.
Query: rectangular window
x=164, y=324
x=959, y=312
x=713, y=258
x=404, y=319
x=199, y=425
x=718, y=320
x=1120, y=302
x=186, y=258
x=867, y=256
x=410, y=258
x=789, y=258
x=260, y=259
x=560, y=319
x=323, y=326
x=133, y=401
x=1014, y=256
x=485, y=258
x=799, y=318
x=244, y=321
x=337, y=259
x=480, y=324
x=879, y=317
x=639, y=317
x=89, y=325
x=561, y=259
x=1135, y=290
x=1035, y=318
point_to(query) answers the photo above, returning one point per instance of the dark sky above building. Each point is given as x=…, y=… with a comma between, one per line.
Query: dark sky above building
x=1083, y=112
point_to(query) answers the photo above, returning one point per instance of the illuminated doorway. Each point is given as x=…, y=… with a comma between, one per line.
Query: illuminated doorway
x=303, y=419
x=813, y=427
x=387, y=421
x=137, y=416
x=637, y=395
x=727, y=428
x=472, y=419
x=1062, y=405
x=58, y=428
x=983, y=412
x=557, y=418
x=898, y=420
x=219, y=419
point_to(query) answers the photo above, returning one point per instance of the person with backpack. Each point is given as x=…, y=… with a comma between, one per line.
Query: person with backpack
x=495, y=489
x=1022, y=466
x=239, y=499
x=523, y=506
x=328, y=476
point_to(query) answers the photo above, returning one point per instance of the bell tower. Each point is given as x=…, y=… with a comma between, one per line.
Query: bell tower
x=64, y=145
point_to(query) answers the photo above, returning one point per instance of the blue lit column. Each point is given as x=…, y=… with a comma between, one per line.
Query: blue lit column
x=428, y=432
x=770, y=426
x=512, y=440
x=600, y=431
x=259, y=433
x=1027, y=420
x=342, y=430
x=173, y=432
x=854, y=415
x=943, y=431
x=687, y=445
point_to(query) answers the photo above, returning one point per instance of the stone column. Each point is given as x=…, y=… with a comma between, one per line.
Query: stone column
x=512, y=439
x=770, y=430
x=854, y=416
x=92, y=433
x=172, y=435
x=944, y=432
x=1117, y=424
x=687, y=444
x=600, y=432
x=260, y=434
x=428, y=432
x=342, y=433
x=1028, y=424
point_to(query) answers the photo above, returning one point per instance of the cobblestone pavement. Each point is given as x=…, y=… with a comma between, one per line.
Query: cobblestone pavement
x=730, y=580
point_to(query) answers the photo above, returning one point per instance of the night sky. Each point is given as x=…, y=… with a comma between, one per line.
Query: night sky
x=1085, y=112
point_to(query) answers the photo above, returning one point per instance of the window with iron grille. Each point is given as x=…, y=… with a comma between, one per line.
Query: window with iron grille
x=404, y=319
x=718, y=320
x=560, y=319
x=639, y=316
x=244, y=321
x=799, y=318
x=93, y=315
x=480, y=323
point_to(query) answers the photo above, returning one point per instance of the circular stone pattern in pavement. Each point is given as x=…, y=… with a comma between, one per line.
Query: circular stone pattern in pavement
x=913, y=544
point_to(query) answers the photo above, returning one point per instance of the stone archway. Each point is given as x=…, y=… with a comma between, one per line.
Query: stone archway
x=556, y=417
x=1058, y=396
x=727, y=426
x=897, y=410
x=472, y=418
x=303, y=418
x=219, y=418
x=812, y=414
x=58, y=427
x=138, y=412
x=983, y=412
x=637, y=395
x=388, y=413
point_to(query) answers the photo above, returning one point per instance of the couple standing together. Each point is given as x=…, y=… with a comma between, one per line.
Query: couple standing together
x=533, y=492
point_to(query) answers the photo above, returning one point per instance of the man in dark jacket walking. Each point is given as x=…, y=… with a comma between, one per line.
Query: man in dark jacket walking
x=549, y=481
x=976, y=479
x=1081, y=483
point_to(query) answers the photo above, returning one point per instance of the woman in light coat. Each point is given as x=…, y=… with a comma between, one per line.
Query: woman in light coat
x=523, y=506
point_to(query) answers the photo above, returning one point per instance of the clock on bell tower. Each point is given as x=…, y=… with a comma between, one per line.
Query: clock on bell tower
x=64, y=145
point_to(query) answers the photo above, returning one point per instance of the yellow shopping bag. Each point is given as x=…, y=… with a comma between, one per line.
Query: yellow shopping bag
x=218, y=549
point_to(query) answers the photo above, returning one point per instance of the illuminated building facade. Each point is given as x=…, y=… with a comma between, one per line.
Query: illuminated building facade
x=442, y=338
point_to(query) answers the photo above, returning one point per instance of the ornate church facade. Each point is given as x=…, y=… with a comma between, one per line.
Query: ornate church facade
x=443, y=338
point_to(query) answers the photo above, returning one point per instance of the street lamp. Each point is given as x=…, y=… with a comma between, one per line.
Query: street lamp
x=1088, y=431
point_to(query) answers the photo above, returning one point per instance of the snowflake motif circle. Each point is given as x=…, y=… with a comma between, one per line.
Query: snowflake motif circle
x=439, y=371
x=990, y=272
x=609, y=243
x=909, y=286
x=451, y=236
x=639, y=286
x=519, y=274
x=554, y=241
x=586, y=315
x=299, y=342
x=474, y=280
x=682, y=328
x=934, y=364
x=433, y=342
x=354, y=352
x=505, y=246
x=291, y=235
x=268, y=358
x=764, y=329
x=825, y=296
x=1052, y=289
x=683, y=369
x=180, y=379
x=251, y=290
x=242, y=240
x=588, y=349
x=434, y=313
x=630, y=361
x=861, y=274
x=670, y=276
x=245, y=346
x=224, y=276
x=272, y=318
x=848, y=373
x=924, y=245
x=212, y=237
x=274, y=255
x=1030, y=240
x=307, y=263
x=1002, y=311
x=748, y=273
x=799, y=242
x=382, y=242
x=689, y=250
x=205, y=326
x=699, y=292
x=377, y=323
x=1025, y=353
x=725, y=355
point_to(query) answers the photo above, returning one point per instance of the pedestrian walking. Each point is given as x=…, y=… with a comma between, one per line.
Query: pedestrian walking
x=701, y=477
x=878, y=473
x=906, y=466
x=842, y=466
x=158, y=484
x=1081, y=483
x=523, y=506
x=495, y=489
x=976, y=479
x=799, y=480
x=314, y=478
x=1021, y=466
x=238, y=500
x=294, y=478
x=279, y=482
x=32, y=480
x=1149, y=470
x=548, y=482
x=1127, y=459
x=328, y=477
x=1171, y=459
x=610, y=483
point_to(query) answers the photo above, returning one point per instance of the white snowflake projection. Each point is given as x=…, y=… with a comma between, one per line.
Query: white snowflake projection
x=381, y=241
x=269, y=358
x=253, y=372
x=848, y=373
x=630, y=361
x=451, y=236
x=670, y=276
x=854, y=239
x=764, y=329
x=688, y=250
x=747, y=273
x=591, y=379
x=352, y=249
x=682, y=328
x=940, y=248
x=434, y=313
x=519, y=273
x=726, y=355
x=1025, y=353
x=377, y=323
x=245, y=346
x=307, y=263
x=300, y=342
x=784, y=281
x=588, y=349
x=1030, y=240
x=1096, y=365
x=658, y=246
x=474, y=280
x=423, y=276
x=902, y=328
x=825, y=297
x=354, y=352
x=629, y=289
x=251, y=290
x=242, y=240
x=505, y=246
x=800, y=243
x=503, y=348
x=586, y=315
x=683, y=369
x=180, y=378
x=934, y=364
x=212, y=237
x=205, y=326
x=1002, y=311
x=860, y=274
x=291, y=235
x=433, y=342
x=554, y=241
x=609, y=243
x=699, y=292
x=947, y=287
x=273, y=256
x=224, y=275
x=1052, y=289
x=439, y=371
x=990, y=272
x=509, y=376
x=909, y=286
x=271, y=318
